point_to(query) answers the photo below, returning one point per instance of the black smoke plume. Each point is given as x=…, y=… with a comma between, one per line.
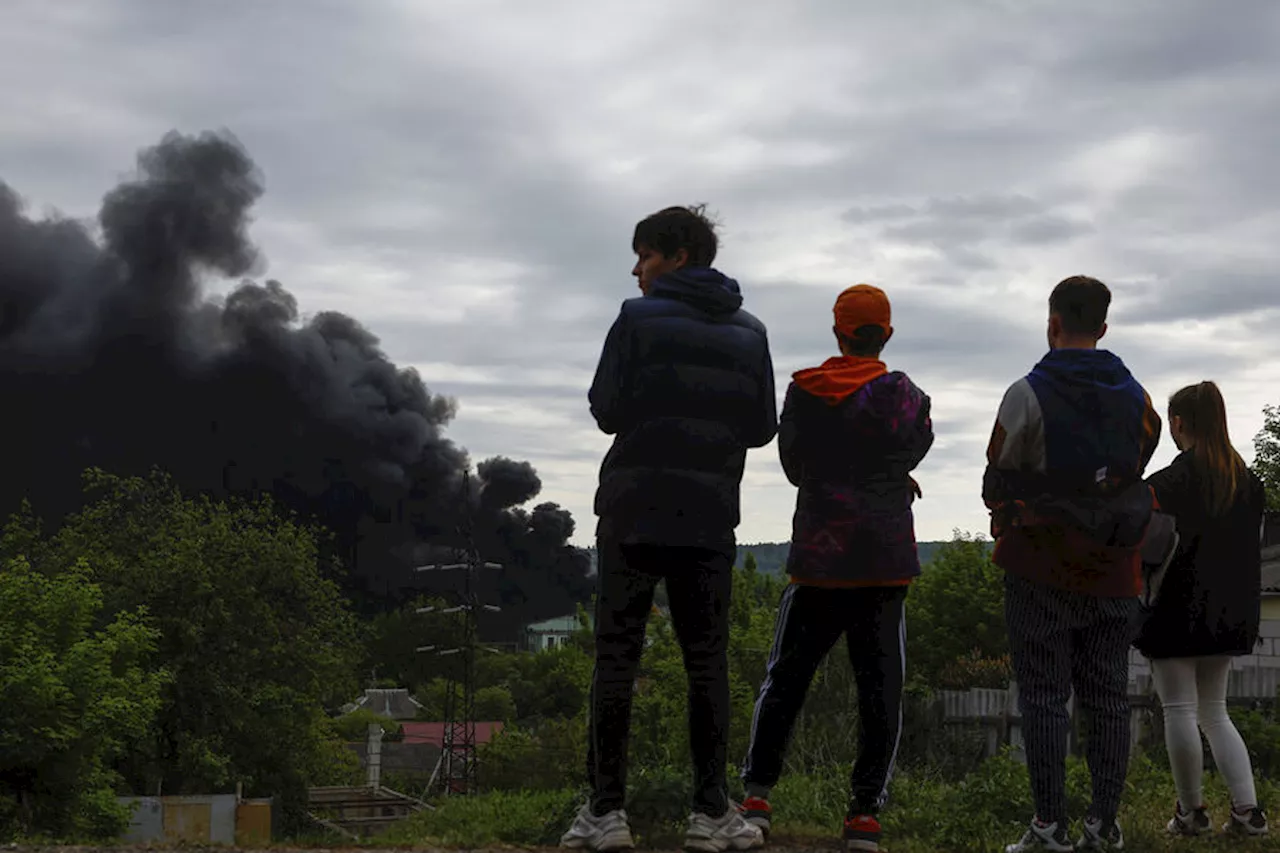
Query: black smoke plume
x=111, y=355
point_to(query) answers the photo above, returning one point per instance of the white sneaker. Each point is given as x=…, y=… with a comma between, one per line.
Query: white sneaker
x=1042, y=836
x=607, y=832
x=1251, y=822
x=1099, y=837
x=730, y=831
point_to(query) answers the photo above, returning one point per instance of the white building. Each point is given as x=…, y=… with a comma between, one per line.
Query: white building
x=550, y=634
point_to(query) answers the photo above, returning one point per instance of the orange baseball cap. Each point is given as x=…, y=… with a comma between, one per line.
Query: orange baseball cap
x=861, y=305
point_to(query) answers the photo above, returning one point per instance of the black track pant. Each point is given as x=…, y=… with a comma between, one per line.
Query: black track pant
x=698, y=585
x=1060, y=641
x=810, y=621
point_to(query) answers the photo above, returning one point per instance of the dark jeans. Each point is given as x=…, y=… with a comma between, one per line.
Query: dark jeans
x=1058, y=641
x=698, y=585
x=810, y=621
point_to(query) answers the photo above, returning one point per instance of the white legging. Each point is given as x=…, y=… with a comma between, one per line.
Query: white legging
x=1191, y=690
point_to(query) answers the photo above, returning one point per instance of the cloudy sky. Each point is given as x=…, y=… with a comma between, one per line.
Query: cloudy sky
x=463, y=176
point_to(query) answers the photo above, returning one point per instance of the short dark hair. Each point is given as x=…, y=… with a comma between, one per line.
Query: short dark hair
x=675, y=228
x=1081, y=304
x=866, y=341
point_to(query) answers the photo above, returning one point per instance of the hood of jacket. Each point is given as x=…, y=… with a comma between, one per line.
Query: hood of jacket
x=705, y=288
x=838, y=377
x=1081, y=376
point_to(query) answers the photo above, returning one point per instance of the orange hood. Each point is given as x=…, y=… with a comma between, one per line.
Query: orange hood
x=839, y=376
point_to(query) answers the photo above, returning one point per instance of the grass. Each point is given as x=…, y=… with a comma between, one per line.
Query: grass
x=983, y=812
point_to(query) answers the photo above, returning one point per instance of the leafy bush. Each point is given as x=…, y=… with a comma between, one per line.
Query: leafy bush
x=257, y=638
x=973, y=669
x=72, y=700
x=955, y=611
x=501, y=817
x=353, y=727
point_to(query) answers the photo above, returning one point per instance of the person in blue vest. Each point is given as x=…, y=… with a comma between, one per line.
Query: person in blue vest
x=685, y=385
x=1208, y=607
x=1069, y=511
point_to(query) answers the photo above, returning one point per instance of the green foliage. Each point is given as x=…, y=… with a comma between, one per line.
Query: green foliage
x=1261, y=732
x=974, y=669
x=353, y=727
x=551, y=756
x=534, y=818
x=986, y=810
x=391, y=642
x=72, y=699
x=955, y=612
x=1266, y=462
x=256, y=636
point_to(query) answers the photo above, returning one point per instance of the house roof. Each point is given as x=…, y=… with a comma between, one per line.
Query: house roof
x=561, y=624
x=433, y=733
x=395, y=703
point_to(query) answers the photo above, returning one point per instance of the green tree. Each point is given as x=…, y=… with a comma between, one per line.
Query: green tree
x=353, y=727
x=392, y=640
x=257, y=638
x=955, y=619
x=1266, y=462
x=72, y=699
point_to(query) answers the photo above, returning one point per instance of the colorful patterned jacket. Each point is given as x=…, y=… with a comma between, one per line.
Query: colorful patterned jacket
x=850, y=435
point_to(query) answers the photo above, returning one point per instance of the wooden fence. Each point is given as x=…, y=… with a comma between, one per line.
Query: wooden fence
x=995, y=711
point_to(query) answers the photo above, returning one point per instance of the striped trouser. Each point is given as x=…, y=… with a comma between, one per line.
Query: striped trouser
x=810, y=622
x=1061, y=640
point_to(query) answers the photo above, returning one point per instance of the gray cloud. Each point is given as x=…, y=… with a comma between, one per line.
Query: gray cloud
x=464, y=180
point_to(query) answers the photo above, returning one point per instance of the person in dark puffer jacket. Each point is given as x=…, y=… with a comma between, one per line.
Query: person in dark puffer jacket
x=851, y=434
x=685, y=384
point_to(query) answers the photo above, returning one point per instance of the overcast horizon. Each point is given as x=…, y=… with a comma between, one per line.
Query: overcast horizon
x=464, y=178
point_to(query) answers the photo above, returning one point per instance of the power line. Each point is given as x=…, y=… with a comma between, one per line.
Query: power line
x=458, y=756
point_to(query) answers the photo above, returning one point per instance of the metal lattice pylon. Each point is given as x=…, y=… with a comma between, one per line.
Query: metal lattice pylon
x=458, y=755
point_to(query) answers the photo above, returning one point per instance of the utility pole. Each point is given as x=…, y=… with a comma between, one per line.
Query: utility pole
x=458, y=757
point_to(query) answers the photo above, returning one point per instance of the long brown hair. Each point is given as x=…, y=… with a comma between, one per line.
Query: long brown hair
x=1204, y=421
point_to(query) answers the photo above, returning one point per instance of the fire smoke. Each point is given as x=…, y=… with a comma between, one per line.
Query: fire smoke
x=111, y=355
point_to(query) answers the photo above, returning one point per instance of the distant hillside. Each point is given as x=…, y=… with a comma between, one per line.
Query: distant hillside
x=772, y=556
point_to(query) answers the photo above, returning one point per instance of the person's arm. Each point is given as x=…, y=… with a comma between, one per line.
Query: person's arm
x=608, y=390
x=1017, y=441
x=766, y=427
x=788, y=446
x=920, y=439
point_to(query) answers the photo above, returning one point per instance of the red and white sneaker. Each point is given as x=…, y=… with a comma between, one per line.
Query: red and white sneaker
x=862, y=833
x=756, y=811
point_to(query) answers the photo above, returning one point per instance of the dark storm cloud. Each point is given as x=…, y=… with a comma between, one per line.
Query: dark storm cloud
x=464, y=179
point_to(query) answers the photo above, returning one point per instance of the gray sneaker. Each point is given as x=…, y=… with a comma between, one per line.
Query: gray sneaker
x=607, y=832
x=730, y=831
x=1099, y=837
x=1042, y=836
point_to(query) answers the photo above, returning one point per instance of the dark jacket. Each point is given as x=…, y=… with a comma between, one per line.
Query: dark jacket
x=1211, y=598
x=686, y=384
x=852, y=454
x=1064, y=474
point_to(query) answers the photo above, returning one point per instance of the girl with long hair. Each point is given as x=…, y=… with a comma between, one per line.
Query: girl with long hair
x=1208, y=607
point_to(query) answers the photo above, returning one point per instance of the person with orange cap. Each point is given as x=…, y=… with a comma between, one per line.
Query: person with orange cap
x=851, y=433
